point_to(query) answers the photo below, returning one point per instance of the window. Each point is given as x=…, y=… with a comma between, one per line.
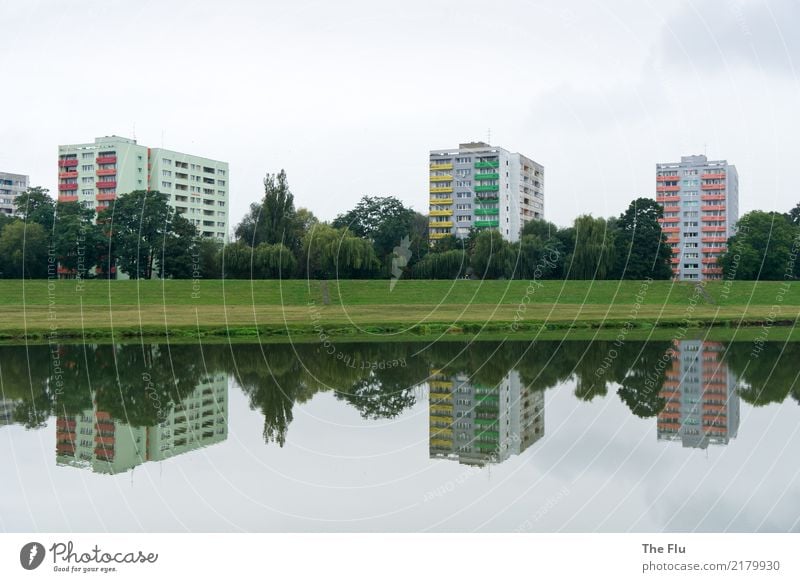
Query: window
x=87, y=192
x=87, y=168
x=166, y=173
x=166, y=161
x=87, y=180
x=221, y=172
x=87, y=155
x=166, y=184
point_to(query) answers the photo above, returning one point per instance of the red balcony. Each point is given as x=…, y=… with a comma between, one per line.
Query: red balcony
x=100, y=415
x=709, y=260
x=104, y=454
x=712, y=229
x=671, y=229
x=63, y=423
x=712, y=218
x=669, y=219
x=99, y=208
x=668, y=188
x=672, y=209
x=712, y=271
x=667, y=178
x=707, y=197
x=712, y=208
x=675, y=251
x=63, y=175
x=107, y=172
x=670, y=416
x=68, y=198
x=68, y=162
x=675, y=260
x=107, y=160
x=714, y=407
x=105, y=426
x=105, y=441
x=662, y=199
x=713, y=176
x=105, y=196
x=713, y=239
x=73, y=186
x=67, y=448
x=713, y=187
x=673, y=240
x=670, y=394
x=713, y=250
x=107, y=184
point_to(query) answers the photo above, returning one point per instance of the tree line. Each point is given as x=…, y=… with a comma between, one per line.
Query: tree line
x=140, y=234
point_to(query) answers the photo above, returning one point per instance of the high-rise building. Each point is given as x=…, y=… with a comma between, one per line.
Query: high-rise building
x=481, y=186
x=11, y=186
x=700, y=199
x=96, y=441
x=477, y=424
x=95, y=173
x=702, y=405
x=7, y=411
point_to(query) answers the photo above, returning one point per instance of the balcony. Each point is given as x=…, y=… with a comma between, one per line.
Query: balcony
x=63, y=423
x=712, y=229
x=712, y=208
x=68, y=162
x=491, y=188
x=107, y=160
x=440, y=189
x=709, y=261
x=675, y=260
x=447, y=166
x=493, y=176
x=676, y=250
x=712, y=271
x=713, y=176
x=441, y=224
x=64, y=175
x=712, y=187
x=99, y=208
x=62, y=448
x=438, y=235
x=73, y=186
x=102, y=197
x=486, y=211
x=669, y=219
x=68, y=198
x=487, y=200
x=708, y=197
x=441, y=178
x=668, y=188
x=486, y=223
x=107, y=172
x=670, y=394
x=712, y=250
x=107, y=184
x=441, y=201
x=671, y=229
x=489, y=164
x=671, y=209
x=664, y=198
x=667, y=178
x=673, y=240
x=441, y=212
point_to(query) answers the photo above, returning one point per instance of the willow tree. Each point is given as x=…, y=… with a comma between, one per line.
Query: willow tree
x=593, y=256
x=329, y=252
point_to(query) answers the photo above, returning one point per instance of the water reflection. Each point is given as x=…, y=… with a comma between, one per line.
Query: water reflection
x=115, y=407
x=701, y=403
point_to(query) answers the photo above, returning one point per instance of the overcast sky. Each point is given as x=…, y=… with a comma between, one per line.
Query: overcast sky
x=349, y=96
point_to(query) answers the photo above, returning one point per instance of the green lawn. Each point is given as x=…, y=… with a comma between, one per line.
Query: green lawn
x=110, y=308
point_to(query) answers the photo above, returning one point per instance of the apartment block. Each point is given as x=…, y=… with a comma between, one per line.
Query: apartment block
x=93, y=174
x=700, y=199
x=11, y=186
x=96, y=441
x=483, y=187
x=702, y=405
x=477, y=424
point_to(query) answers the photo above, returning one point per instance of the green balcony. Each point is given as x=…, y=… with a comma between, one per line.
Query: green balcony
x=493, y=176
x=488, y=435
x=480, y=200
x=486, y=223
x=482, y=211
x=491, y=164
x=487, y=398
x=488, y=188
x=486, y=421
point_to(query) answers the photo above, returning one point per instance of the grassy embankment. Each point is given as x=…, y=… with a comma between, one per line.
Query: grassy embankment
x=120, y=309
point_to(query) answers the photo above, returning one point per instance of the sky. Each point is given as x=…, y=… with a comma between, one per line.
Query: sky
x=348, y=97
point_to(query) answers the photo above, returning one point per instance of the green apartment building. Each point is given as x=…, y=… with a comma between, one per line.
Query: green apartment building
x=94, y=174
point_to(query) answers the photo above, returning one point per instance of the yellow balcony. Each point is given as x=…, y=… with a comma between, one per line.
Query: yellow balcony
x=441, y=213
x=440, y=384
x=442, y=201
x=440, y=189
x=447, y=224
x=441, y=408
x=438, y=235
x=440, y=418
x=437, y=442
x=441, y=178
x=435, y=166
x=446, y=433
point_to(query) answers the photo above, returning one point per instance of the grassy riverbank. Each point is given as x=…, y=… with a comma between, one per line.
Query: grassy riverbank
x=120, y=309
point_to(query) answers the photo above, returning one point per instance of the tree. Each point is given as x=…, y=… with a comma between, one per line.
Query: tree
x=274, y=219
x=492, y=257
x=641, y=249
x=332, y=253
x=442, y=265
x=794, y=215
x=180, y=253
x=761, y=248
x=593, y=254
x=35, y=206
x=77, y=239
x=24, y=253
x=273, y=262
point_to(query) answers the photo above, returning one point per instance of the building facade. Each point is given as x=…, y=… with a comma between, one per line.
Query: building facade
x=11, y=186
x=93, y=174
x=483, y=187
x=477, y=424
x=700, y=199
x=702, y=405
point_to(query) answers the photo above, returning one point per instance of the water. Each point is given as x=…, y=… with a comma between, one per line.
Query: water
x=449, y=436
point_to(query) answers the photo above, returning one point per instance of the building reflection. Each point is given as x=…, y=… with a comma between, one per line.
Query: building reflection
x=702, y=405
x=7, y=411
x=96, y=441
x=477, y=424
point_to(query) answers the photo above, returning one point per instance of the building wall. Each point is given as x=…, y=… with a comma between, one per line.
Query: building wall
x=11, y=186
x=483, y=187
x=700, y=199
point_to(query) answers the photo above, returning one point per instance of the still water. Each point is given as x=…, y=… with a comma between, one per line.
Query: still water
x=509, y=436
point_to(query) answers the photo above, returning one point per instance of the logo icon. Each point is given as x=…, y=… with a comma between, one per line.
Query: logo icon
x=401, y=256
x=31, y=555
